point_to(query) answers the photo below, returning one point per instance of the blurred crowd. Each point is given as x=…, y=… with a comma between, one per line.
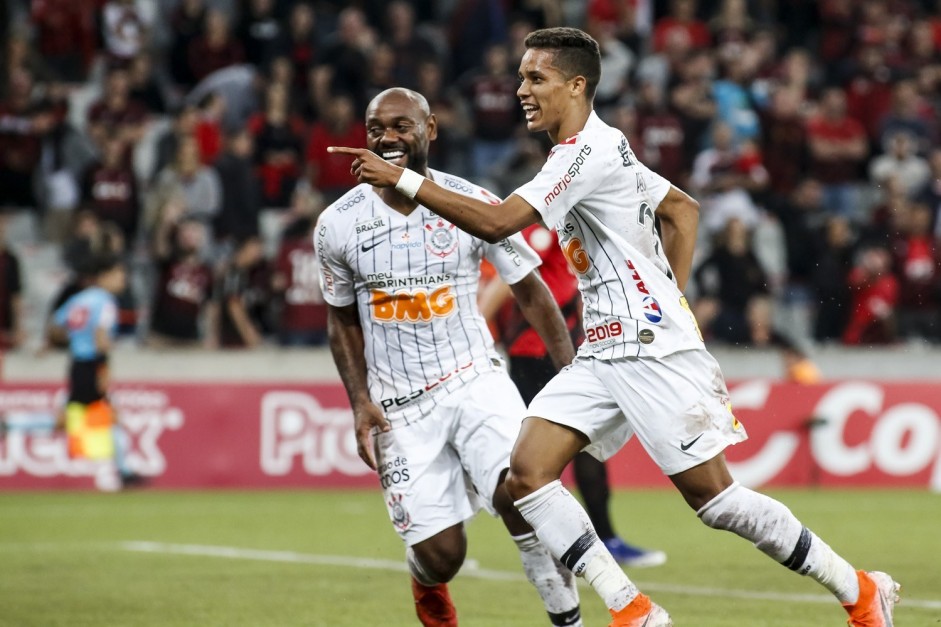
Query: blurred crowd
x=190, y=136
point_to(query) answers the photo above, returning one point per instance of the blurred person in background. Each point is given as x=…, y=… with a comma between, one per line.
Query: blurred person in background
x=728, y=283
x=188, y=178
x=183, y=311
x=838, y=147
x=187, y=23
x=830, y=278
x=328, y=173
x=259, y=30
x=87, y=323
x=278, y=151
x=902, y=163
x=346, y=53
x=241, y=192
x=300, y=44
x=875, y=298
x=215, y=48
x=65, y=36
x=116, y=112
x=110, y=190
x=410, y=48
x=660, y=132
x=12, y=334
x=295, y=280
x=243, y=296
x=147, y=87
x=917, y=265
x=784, y=140
x=123, y=30
x=494, y=111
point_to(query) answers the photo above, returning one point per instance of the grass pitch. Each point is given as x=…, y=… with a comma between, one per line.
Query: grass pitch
x=331, y=559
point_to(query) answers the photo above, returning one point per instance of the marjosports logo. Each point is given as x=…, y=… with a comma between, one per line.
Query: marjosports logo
x=652, y=310
x=574, y=168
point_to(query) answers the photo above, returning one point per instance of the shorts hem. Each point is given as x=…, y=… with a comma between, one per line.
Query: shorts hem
x=411, y=539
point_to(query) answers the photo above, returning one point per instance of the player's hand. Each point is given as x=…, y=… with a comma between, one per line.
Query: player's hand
x=366, y=417
x=368, y=167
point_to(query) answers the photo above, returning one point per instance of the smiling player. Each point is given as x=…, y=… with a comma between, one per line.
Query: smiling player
x=643, y=369
x=435, y=412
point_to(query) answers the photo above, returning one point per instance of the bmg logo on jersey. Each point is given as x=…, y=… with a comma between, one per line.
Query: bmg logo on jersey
x=418, y=305
x=394, y=472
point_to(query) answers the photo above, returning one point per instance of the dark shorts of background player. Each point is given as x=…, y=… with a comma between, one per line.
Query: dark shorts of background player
x=531, y=374
x=84, y=380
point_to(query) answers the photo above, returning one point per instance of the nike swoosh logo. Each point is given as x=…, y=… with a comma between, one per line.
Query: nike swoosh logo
x=685, y=447
x=366, y=248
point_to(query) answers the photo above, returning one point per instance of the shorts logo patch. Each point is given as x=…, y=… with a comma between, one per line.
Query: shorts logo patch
x=442, y=239
x=400, y=517
x=645, y=336
x=652, y=310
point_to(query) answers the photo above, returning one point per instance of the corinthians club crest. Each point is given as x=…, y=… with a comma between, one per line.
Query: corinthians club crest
x=441, y=239
x=400, y=517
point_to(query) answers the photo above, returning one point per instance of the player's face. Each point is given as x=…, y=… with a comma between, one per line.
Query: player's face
x=399, y=131
x=544, y=92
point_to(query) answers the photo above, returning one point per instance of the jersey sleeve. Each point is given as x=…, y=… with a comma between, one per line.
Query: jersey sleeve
x=656, y=187
x=571, y=173
x=512, y=257
x=336, y=276
x=107, y=316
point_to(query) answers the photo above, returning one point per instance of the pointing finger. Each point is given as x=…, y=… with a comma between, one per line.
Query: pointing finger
x=346, y=151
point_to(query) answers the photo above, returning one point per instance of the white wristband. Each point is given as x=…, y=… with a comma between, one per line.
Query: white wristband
x=409, y=183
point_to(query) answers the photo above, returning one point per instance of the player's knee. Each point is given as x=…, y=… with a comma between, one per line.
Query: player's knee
x=523, y=480
x=441, y=562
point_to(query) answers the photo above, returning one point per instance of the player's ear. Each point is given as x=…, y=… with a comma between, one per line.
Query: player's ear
x=578, y=85
x=431, y=127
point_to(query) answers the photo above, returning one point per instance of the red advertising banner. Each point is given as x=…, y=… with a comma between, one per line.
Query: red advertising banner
x=850, y=433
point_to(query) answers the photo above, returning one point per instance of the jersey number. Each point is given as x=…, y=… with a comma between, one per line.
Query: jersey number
x=78, y=318
x=644, y=217
x=576, y=255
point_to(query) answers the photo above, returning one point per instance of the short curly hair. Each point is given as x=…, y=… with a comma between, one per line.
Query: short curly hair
x=576, y=53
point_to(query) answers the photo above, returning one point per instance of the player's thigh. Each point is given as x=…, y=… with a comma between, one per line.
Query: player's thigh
x=678, y=406
x=422, y=479
x=488, y=412
x=576, y=399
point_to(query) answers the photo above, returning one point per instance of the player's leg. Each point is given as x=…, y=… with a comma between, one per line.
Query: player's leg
x=489, y=413
x=724, y=504
x=423, y=488
x=591, y=477
x=433, y=562
x=542, y=451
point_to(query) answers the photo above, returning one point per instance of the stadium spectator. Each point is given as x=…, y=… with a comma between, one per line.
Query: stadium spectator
x=831, y=279
x=691, y=98
x=473, y=28
x=65, y=36
x=659, y=133
x=734, y=100
x=115, y=112
x=681, y=23
x=187, y=23
x=872, y=317
x=410, y=48
x=183, y=310
x=300, y=44
x=381, y=73
x=187, y=177
x=901, y=163
x=784, y=140
x=731, y=25
x=448, y=151
x=12, y=334
x=724, y=177
x=869, y=90
x=838, y=148
x=917, y=265
x=329, y=173
x=167, y=145
x=207, y=130
x=729, y=282
x=241, y=194
x=617, y=64
x=295, y=280
x=123, y=29
x=494, y=110
x=346, y=54
x=930, y=194
x=259, y=30
x=110, y=190
x=24, y=121
x=146, y=87
x=243, y=296
x=909, y=113
x=215, y=49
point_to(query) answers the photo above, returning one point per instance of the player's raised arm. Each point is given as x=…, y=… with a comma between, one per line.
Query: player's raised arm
x=489, y=222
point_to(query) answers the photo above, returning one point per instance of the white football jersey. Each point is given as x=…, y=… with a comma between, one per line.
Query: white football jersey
x=602, y=201
x=414, y=279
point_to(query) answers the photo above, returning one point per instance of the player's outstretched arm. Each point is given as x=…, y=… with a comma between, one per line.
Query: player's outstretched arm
x=490, y=223
x=542, y=312
x=347, y=345
x=679, y=221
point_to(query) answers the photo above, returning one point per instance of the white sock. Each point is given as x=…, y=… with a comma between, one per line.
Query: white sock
x=554, y=582
x=776, y=532
x=565, y=530
x=417, y=570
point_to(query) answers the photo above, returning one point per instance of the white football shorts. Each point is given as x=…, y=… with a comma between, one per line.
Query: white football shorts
x=677, y=406
x=440, y=470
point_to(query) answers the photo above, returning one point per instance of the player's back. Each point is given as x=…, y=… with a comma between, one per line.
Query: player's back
x=414, y=280
x=82, y=315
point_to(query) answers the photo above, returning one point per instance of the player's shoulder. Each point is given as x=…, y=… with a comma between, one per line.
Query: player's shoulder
x=591, y=143
x=463, y=186
x=349, y=205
